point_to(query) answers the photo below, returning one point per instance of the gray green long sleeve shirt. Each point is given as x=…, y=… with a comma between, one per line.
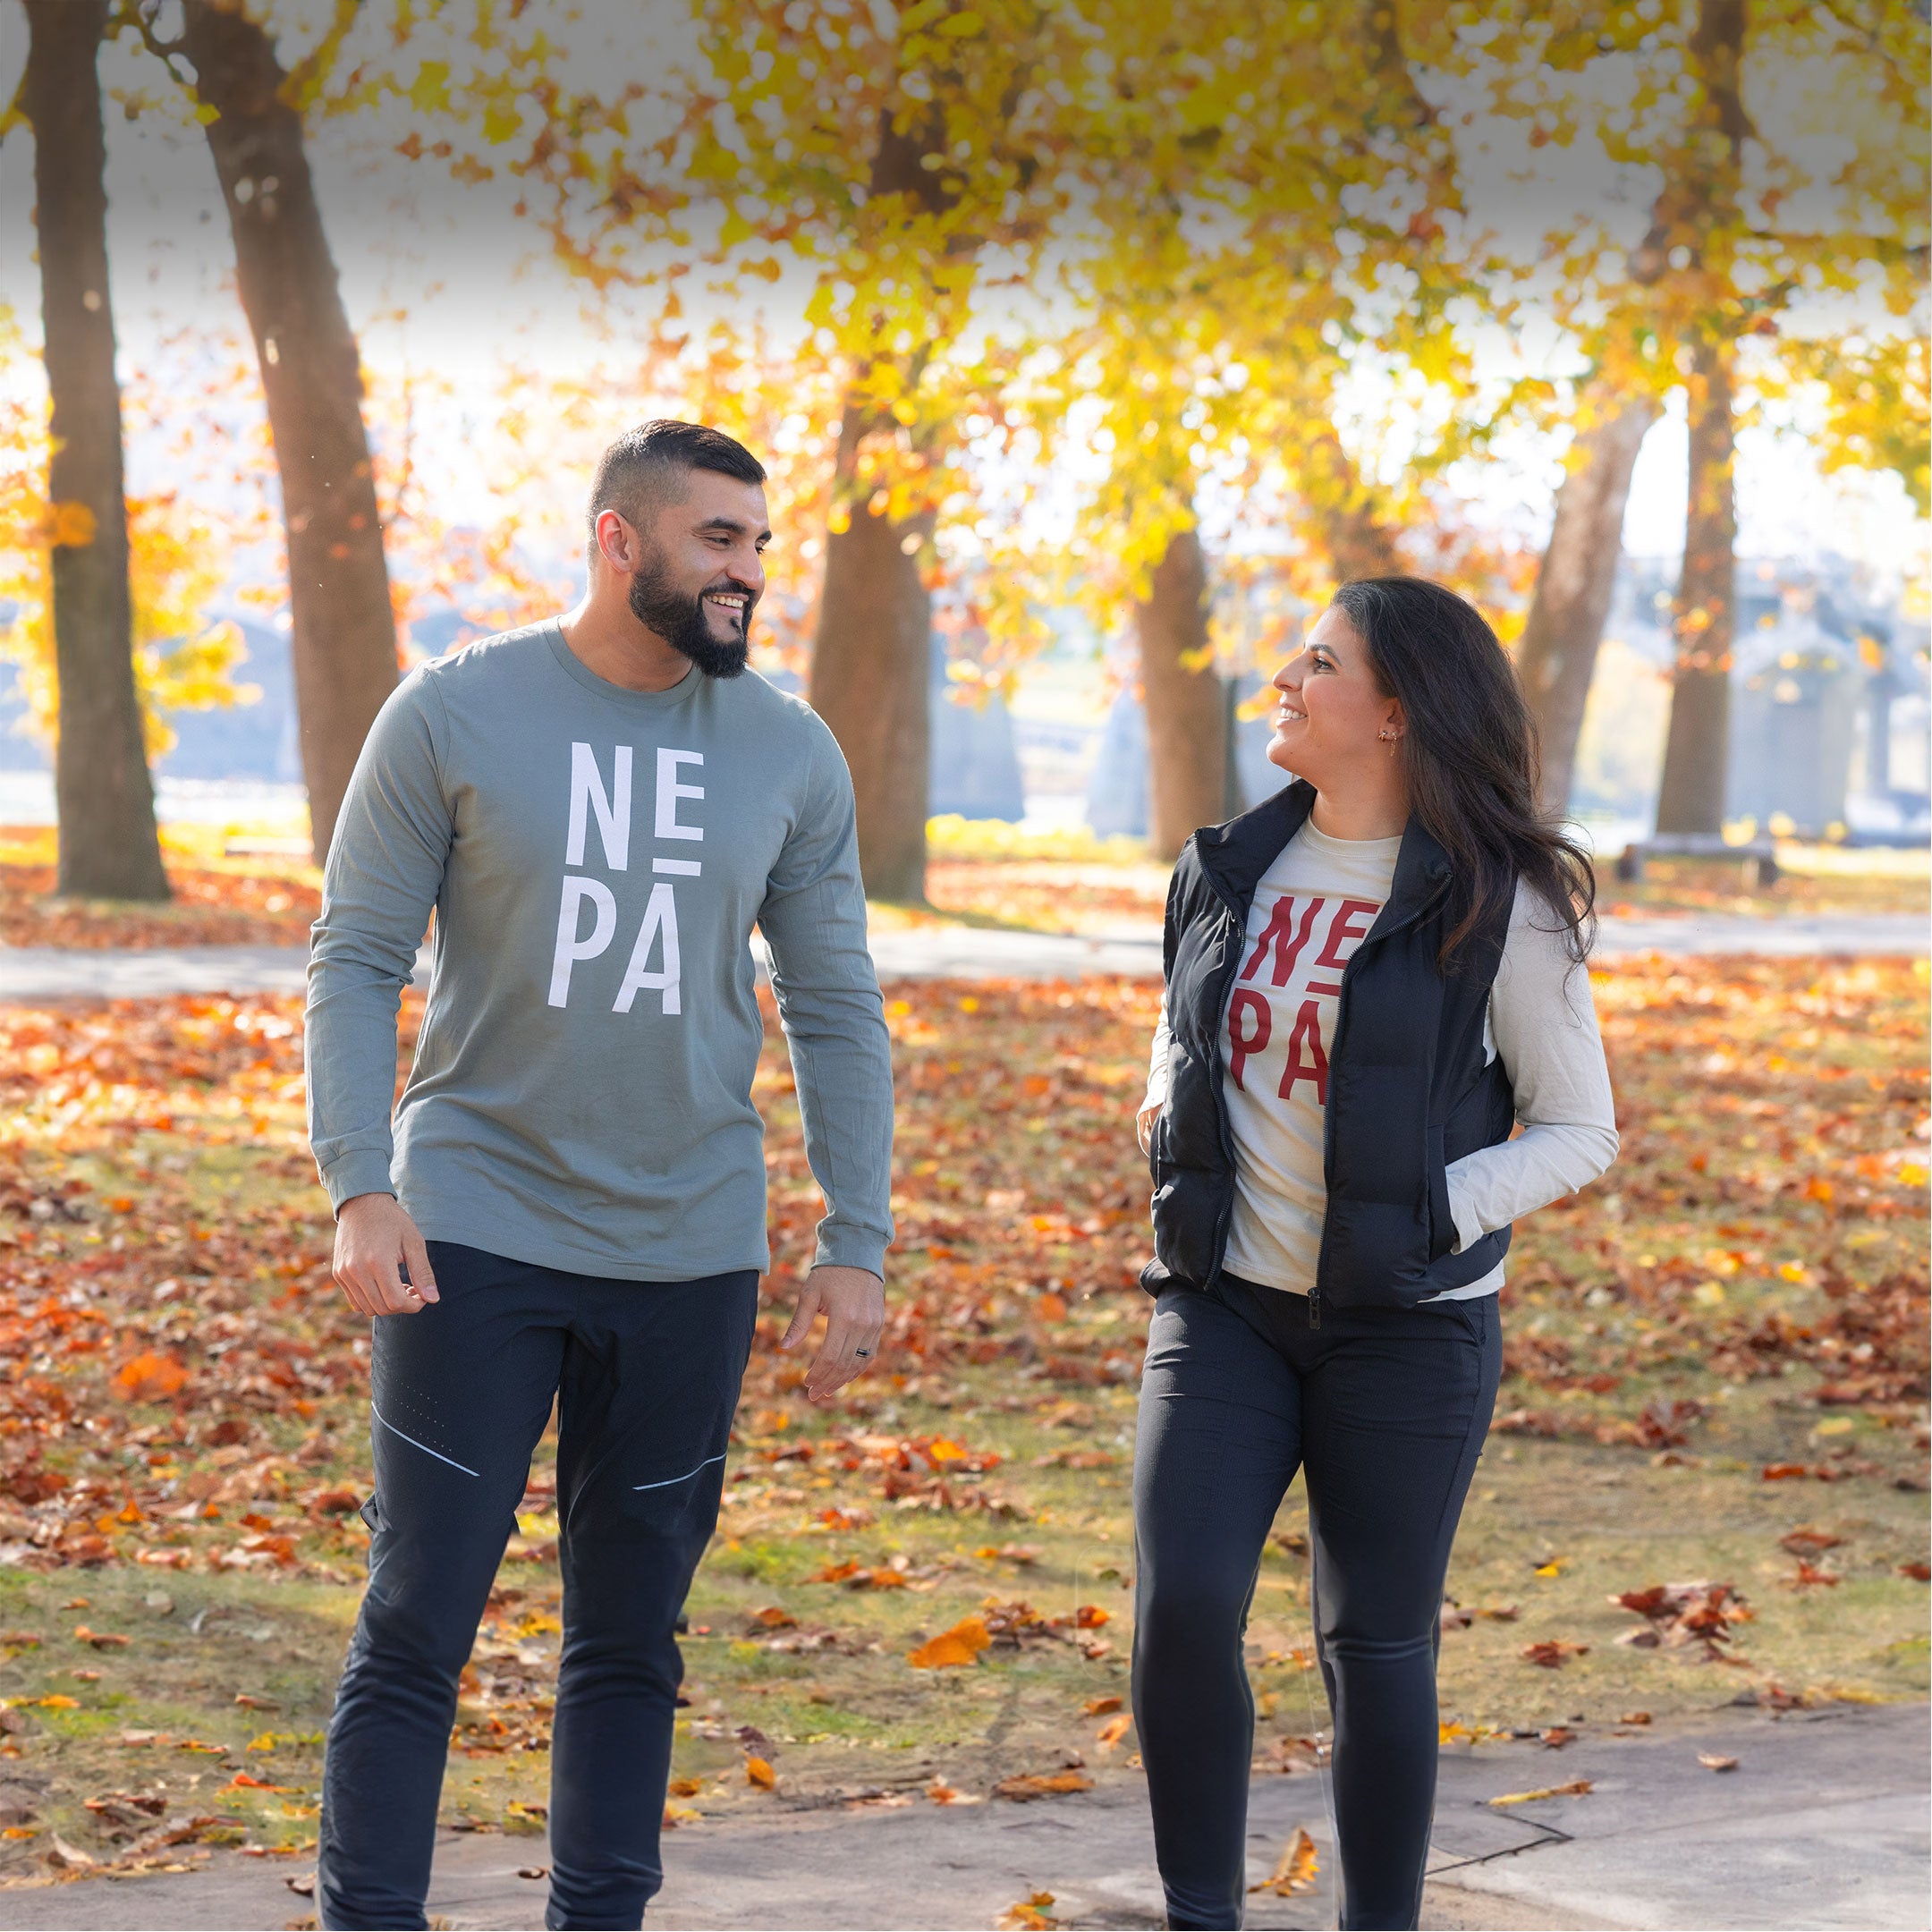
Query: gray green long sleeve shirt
x=596, y=858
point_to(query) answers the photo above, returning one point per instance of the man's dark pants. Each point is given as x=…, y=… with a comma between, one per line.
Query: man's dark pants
x=645, y=1378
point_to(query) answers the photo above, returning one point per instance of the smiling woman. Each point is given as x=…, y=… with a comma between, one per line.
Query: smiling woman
x=1329, y=1115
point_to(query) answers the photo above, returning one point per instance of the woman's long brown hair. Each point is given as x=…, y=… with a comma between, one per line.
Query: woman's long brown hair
x=1471, y=759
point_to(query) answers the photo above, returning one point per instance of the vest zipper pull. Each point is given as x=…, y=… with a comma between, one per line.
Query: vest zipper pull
x=1314, y=1307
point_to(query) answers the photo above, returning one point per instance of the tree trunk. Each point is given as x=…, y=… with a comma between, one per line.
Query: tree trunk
x=345, y=638
x=871, y=668
x=1341, y=514
x=871, y=673
x=1558, y=653
x=1704, y=199
x=109, y=847
x=1186, y=713
x=1692, y=795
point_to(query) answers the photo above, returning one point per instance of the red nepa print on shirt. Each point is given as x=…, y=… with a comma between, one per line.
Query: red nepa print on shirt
x=1289, y=989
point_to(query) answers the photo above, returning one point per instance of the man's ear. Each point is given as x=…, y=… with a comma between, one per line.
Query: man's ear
x=617, y=542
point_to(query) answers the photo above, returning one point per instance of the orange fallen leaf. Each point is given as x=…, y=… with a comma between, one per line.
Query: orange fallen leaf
x=773, y=1617
x=1575, y=1788
x=1635, y=1717
x=1029, y=1915
x=1552, y=1652
x=1808, y=1540
x=836, y=1572
x=960, y=1645
x=100, y=1640
x=1042, y=1784
x=1919, y=1572
x=1113, y=1730
x=942, y=1793
x=1092, y=1616
x=758, y=1771
x=1100, y=1706
x=149, y=1377
x=241, y=1781
x=1295, y=1871
x=685, y=1787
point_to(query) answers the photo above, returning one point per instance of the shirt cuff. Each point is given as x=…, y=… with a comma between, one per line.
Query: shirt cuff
x=1463, y=1212
x=850, y=1246
x=1156, y=1096
x=363, y=1171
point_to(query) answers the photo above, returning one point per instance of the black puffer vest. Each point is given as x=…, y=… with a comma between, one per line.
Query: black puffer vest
x=1408, y=1090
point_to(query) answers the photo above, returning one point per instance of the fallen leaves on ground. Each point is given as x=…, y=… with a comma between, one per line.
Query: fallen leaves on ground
x=1575, y=1788
x=159, y=1218
x=1808, y=1540
x=1294, y=1870
x=1677, y=1613
x=959, y=1645
x=1717, y=1761
x=1029, y=1915
x=215, y=903
x=1042, y=1784
x=1552, y=1652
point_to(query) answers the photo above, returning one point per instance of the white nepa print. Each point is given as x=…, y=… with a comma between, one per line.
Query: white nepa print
x=609, y=810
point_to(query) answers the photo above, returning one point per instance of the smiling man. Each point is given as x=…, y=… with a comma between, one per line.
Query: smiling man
x=568, y=1205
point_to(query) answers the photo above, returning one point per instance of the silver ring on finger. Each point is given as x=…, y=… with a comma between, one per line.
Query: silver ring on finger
x=863, y=1353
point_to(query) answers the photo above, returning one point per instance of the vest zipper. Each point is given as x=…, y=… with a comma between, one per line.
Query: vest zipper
x=1314, y=1307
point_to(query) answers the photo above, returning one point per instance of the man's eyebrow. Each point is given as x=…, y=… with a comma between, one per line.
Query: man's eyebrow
x=733, y=526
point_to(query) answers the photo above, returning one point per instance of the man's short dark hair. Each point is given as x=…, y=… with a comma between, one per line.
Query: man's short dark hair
x=645, y=468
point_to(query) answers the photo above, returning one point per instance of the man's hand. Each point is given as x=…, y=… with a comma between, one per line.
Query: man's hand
x=1144, y=1125
x=853, y=1302
x=375, y=1241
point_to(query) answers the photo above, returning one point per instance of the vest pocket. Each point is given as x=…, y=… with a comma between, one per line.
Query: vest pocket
x=1441, y=1228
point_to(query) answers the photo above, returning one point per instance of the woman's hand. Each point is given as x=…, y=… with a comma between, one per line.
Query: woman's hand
x=1144, y=1126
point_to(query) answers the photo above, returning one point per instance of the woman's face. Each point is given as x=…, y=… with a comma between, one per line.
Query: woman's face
x=1331, y=715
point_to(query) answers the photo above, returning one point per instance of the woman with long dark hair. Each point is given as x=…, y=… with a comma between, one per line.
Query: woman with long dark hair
x=1373, y=978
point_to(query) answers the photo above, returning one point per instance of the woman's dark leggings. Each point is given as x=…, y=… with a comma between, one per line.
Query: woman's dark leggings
x=1386, y=1410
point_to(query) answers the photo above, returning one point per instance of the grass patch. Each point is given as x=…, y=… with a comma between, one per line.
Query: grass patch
x=1744, y=1292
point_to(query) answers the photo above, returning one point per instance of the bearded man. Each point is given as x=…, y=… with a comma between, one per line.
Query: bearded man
x=568, y=1206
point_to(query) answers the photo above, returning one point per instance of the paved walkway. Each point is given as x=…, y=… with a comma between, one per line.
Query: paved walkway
x=28, y=973
x=1823, y=1825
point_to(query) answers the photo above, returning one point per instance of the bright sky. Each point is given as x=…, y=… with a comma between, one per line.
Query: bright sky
x=449, y=280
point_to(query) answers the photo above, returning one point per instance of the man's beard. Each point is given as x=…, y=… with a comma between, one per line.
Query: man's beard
x=680, y=622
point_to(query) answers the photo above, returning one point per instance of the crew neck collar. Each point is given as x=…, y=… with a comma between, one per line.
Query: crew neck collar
x=653, y=701
x=1310, y=830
